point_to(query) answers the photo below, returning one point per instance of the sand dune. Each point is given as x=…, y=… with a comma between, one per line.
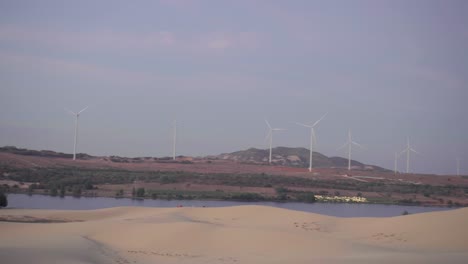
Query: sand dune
x=244, y=234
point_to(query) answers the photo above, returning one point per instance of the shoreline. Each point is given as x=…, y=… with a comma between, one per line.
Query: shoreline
x=429, y=205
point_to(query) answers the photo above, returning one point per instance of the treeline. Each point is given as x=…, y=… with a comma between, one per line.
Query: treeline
x=85, y=179
x=308, y=197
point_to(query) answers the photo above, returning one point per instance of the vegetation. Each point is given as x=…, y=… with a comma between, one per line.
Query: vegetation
x=140, y=192
x=81, y=181
x=3, y=199
x=119, y=193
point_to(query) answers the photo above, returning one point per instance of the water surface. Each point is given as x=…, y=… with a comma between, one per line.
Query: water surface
x=332, y=209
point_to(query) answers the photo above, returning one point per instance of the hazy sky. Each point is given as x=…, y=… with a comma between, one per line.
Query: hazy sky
x=384, y=69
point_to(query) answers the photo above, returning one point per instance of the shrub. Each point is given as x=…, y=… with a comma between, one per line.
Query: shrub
x=140, y=192
x=119, y=193
x=62, y=191
x=53, y=192
x=88, y=186
x=247, y=197
x=405, y=213
x=76, y=191
x=306, y=197
x=323, y=192
x=282, y=197
x=280, y=190
x=3, y=200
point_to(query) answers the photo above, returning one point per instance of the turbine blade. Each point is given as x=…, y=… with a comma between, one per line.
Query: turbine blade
x=415, y=151
x=345, y=144
x=316, y=122
x=70, y=111
x=268, y=134
x=357, y=144
x=301, y=124
x=268, y=124
x=82, y=110
x=278, y=129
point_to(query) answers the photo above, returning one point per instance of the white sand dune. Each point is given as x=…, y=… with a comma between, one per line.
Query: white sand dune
x=244, y=234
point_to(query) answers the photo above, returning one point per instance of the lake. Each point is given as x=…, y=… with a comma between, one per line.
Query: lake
x=332, y=209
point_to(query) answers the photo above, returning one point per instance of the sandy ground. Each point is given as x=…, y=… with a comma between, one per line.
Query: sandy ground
x=244, y=234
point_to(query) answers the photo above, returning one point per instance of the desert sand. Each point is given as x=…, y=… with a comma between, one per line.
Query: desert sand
x=244, y=234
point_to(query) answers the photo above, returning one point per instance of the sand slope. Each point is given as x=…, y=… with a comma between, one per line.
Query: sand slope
x=244, y=234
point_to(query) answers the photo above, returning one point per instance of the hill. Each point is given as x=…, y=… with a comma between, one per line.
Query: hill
x=294, y=157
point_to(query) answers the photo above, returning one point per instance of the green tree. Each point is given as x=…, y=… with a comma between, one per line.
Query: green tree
x=31, y=189
x=62, y=191
x=88, y=186
x=119, y=193
x=76, y=191
x=3, y=200
x=53, y=192
x=140, y=192
x=306, y=197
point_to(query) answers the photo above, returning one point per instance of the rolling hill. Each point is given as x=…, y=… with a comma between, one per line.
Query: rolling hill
x=293, y=157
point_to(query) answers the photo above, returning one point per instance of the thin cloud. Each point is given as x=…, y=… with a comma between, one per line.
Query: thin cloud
x=195, y=82
x=51, y=66
x=130, y=43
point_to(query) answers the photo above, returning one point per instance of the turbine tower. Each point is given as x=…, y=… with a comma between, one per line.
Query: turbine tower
x=174, y=141
x=312, y=137
x=458, y=166
x=270, y=136
x=395, y=168
x=76, y=128
x=350, y=143
x=408, y=150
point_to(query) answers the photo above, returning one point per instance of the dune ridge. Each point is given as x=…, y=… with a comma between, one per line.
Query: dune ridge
x=241, y=234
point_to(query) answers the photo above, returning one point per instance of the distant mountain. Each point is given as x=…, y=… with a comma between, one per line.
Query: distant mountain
x=294, y=157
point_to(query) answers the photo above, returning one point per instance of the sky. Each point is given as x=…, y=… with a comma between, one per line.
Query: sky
x=387, y=70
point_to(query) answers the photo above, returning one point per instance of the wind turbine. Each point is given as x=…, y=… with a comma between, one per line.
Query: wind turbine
x=395, y=168
x=350, y=143
x=270, y=136
x=174, y=141
x=408, y=149
x=76, y=128
x=312, y=137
